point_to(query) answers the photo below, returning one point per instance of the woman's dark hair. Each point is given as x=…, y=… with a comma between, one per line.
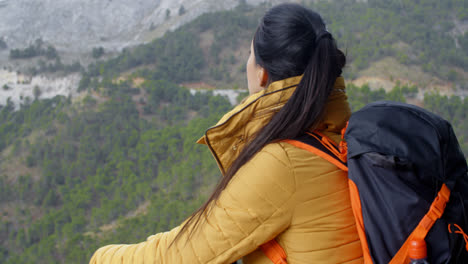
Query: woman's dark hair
x=291, y=40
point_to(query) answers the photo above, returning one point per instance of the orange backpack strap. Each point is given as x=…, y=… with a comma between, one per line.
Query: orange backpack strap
x=357, y=211
x=274, y=252
x=435, y=212
x=323, y=147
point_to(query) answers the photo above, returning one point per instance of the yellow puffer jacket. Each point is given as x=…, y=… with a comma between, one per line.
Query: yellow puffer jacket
x=283, y=192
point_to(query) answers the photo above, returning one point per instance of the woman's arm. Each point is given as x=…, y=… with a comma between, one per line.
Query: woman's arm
x=254, y=208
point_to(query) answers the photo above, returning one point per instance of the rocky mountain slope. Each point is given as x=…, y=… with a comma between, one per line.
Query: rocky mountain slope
x=75, y=27
x=83, y=24
x=20, y=88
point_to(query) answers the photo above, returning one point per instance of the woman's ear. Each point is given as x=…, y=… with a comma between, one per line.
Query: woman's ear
x=262, y=77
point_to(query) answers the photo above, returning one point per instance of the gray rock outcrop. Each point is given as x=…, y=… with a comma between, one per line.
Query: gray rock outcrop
x=80, y=25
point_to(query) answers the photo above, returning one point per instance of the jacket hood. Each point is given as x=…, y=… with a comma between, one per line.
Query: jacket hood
x=227, y=138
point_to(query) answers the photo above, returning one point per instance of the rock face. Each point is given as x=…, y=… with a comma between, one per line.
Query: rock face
x=80, y=25
x=17, y=87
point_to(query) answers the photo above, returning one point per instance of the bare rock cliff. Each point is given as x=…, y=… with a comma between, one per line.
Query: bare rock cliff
x=79, y=25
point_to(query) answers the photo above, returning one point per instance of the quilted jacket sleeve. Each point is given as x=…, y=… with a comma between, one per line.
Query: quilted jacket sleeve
x=256, y=206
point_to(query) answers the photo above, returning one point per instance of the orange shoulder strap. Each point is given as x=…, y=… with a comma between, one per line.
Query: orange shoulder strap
x=357, y=212
x=435, y=212
x=274, y=252
x=323, y=147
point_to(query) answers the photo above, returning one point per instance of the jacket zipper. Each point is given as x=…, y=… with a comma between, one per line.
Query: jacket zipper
x=236, y=113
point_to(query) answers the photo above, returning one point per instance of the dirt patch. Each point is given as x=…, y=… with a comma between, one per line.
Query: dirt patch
x=415, y=101
x=206, y=40
x=19, y=213
x=374, y=82
x=140, y=101
x=138, y=81
x=388, y=71
x=141, y=210
x=119, y=79
x=198, y=86
x=14, y=166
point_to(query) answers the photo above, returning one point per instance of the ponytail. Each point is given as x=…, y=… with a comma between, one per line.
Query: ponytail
x=291, y=40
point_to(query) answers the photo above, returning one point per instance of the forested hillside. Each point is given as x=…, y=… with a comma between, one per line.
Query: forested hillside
x=120, y=163
x=99, y=161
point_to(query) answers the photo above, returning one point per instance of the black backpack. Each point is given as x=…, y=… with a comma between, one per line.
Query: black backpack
x=399, y=157
x=404, y=163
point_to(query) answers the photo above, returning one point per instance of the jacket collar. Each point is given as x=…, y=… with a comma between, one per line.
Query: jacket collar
x=235, y=128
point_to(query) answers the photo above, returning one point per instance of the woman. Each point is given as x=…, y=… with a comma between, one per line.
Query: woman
x=271, y=189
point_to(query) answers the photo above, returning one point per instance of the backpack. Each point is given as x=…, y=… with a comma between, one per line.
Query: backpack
x=407, y=179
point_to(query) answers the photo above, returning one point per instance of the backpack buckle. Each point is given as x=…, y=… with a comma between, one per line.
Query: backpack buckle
x=438, y=206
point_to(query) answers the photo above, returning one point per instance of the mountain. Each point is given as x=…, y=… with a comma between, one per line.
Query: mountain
x=113, y=24
x=386, y=44
x=73, y=30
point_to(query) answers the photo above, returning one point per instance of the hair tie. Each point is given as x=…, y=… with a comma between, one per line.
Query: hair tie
x=322, y=34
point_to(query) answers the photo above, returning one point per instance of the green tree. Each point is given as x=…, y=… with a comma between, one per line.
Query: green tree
x=51, y=53
x=181, y=10
x=97, y=52
x=37, y=92
x=3, y=44
x=168, y=14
